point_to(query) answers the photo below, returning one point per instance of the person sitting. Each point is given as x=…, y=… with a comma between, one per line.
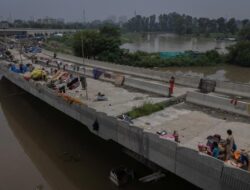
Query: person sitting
x=61, y=86
x=216, y=150
x=176, y=136
x=242, y=159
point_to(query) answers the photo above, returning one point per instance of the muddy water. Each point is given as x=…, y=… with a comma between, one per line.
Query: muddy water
x=53, y=151
x=223, y=72
x=161, y=42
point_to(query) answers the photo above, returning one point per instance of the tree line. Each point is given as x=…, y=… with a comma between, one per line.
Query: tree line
x=104, y=44
x=184, y=24
x=172, y=23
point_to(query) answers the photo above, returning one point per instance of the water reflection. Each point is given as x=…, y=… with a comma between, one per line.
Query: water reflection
x=157, y=42
x=63, y=150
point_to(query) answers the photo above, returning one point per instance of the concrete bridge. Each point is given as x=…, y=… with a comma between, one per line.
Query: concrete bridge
x=193, y=121
x=32, y=31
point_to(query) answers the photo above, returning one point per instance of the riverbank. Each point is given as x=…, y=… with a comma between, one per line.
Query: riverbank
x=117, y=52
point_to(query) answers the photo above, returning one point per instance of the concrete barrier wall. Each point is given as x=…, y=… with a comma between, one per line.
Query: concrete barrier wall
x=201, y=170
x=141, y=84
x=231, y=88
x=236, y=89
x=165, y=76
x=130, y=137
x=204, y=171
x=216, y=102
x=108, y=127
x=148, y=86
x=161, y=151
x=234, y=179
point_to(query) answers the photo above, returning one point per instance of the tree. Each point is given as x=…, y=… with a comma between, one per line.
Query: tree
x=221, y=25
x=103, y=44
x=244, y=33
x=239, y=54
x=232, y=26
x=90, y=40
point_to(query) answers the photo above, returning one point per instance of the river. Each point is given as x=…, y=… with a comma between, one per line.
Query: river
x=42, y=147
x=157, y=42
x=222, y=72
x=162, y=42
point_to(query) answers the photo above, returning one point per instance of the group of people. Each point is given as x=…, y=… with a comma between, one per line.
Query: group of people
x=226, y=150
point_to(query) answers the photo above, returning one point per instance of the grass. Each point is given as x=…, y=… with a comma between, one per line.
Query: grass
x=149, y=108
x=60, y=47
x=145, y=109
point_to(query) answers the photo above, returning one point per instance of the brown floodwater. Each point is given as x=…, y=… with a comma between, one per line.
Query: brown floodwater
x=42, y=147
x=162, y=42
x=222, y=72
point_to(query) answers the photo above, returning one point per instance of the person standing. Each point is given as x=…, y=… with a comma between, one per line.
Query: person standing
x=229, y=144
x=171, y=86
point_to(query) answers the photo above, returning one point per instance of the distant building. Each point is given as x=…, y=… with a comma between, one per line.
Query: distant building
x=50, y=21
x=4, y=25
x=60, y=21
x=122, y=19
x=111, y=19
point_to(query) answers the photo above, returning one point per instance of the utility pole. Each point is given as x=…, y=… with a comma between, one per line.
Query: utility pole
x=20, y=51
x=83, y=62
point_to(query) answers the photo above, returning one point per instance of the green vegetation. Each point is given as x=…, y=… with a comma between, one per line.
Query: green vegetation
x=182, y=24
x=149, y=108
x=150, y=60
x=102, y=45
x=105, y=45
x=239, y=54
x=145, y=109
x=61, y=44
x=172, y=23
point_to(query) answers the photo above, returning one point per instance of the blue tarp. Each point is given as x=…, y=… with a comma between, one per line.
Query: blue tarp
x=97, y=73
x=170, y=54
x=18, y=70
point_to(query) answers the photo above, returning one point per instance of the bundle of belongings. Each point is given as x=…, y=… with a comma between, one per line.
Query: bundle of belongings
x=101, y=97
x=73, y=83
x=70, y=99
x=126, y=118
x=165, y=135
x=97, y=73
x=62, y=80
x=38, y=74
x=214, y=147
x=240, y=159
x=18, y=69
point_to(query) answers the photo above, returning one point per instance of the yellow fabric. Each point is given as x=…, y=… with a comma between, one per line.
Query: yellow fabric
x=37, y=74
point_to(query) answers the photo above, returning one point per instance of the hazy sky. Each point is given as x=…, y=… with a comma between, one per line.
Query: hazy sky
x=101, y=9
